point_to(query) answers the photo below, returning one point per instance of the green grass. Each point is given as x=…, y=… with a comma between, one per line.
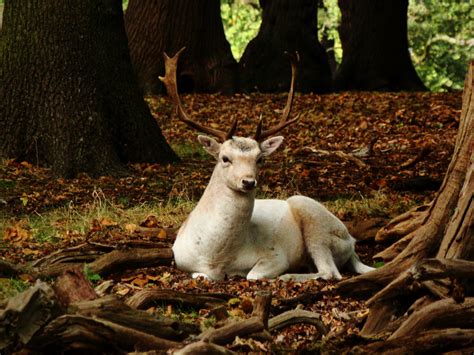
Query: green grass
x=7, y=184
x=11, y=287
x=378, y=205
x=190, y=151
x=62, y=222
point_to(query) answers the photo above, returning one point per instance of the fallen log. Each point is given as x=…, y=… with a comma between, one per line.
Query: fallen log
x=146, y=297
x=128, y=258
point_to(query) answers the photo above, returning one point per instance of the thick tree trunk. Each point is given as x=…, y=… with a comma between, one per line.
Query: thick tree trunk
x=447, y=230
x=69, y=97
x=418, y=294
x=375, y=47
x=287, y=25
x=158, y=26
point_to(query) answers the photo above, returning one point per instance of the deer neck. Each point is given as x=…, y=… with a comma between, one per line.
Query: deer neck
x=224, y=211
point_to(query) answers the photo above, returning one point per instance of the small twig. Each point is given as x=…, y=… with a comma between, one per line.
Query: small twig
x=340, y=154
x=413, y=161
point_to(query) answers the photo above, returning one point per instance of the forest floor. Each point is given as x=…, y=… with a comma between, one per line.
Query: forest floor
x=368, y=157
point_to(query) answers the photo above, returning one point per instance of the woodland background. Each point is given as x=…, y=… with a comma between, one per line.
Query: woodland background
x=95, y=181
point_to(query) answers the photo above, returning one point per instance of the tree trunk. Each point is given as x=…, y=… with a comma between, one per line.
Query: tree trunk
x=287, y=25
x=420, y=294
x=154, y=27
x=375, y=47
x=450, y=211
x=69, y=97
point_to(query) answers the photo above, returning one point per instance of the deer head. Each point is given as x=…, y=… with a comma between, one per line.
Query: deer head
x=237, y=157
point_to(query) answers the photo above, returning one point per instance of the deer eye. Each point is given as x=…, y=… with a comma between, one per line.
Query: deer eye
x=225, y=159
x=259, y=160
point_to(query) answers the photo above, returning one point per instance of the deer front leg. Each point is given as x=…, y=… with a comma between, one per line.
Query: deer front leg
x=269, y=268
x=209, y=273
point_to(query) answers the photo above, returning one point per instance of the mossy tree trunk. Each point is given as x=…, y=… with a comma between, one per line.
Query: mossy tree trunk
x=69, y=97
x=427, y=290
x=287, y=25
x=375, y=47
x=158, y=26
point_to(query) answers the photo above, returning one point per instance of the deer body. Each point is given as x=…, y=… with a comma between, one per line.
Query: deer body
x=231, y=233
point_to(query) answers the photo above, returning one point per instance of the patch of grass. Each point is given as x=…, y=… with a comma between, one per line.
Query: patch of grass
x=7, y=184
x=91, y=276
x=62, y=222
x=190, y=151
x=11, y=287
x=379, y=204
x=43, y=229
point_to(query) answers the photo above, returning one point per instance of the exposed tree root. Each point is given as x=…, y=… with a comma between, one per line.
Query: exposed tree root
x=441, y=314
x=395, y=249
x=403, y=225
x=436, y=341
x=297, y=316
x=146, y=297
x=427, y=304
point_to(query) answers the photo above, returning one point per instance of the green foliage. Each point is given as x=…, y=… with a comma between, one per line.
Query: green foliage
x=329, y=17
x=91, y=276
x=241, y=23
x=378, y=264
x=441, y=35
x=441, y=39
x=12, y=287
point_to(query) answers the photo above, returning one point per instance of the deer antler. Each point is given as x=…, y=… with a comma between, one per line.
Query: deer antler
x=169, y=80
x=259, y=134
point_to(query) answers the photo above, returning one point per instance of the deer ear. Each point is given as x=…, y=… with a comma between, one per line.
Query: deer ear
x=270, y=145
x=210, y=145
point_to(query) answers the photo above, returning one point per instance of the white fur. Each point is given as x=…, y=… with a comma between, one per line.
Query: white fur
x=231, y=233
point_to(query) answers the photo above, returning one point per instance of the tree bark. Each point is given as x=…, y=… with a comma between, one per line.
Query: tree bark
x=287, y=25
x=158, y=26
x=435, y=341
x=375, y=47
x=419, y=294
x=451, y=209
x=441, y=314
x=69, y=97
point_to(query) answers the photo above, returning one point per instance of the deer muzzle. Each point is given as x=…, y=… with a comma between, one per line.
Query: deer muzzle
x=249, y=184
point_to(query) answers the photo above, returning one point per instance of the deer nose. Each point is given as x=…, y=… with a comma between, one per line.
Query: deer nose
x=249, y=184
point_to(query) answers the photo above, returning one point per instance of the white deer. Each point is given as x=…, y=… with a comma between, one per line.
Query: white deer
x=229, y=232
